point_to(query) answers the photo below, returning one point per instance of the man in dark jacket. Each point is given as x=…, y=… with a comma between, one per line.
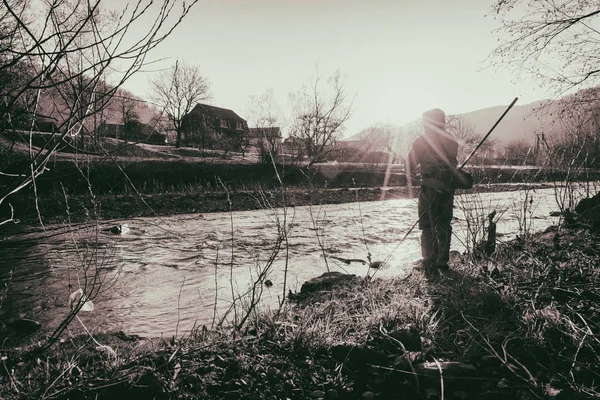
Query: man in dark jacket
x=435, y=152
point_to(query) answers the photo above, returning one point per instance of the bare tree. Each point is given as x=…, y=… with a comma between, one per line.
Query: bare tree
x=63, y=59
x=177, y=91
x=264, y=115
x=555, y=41
x=579, y=142
x=126, y=106
x=464, y=131
x=319, y=113
x=70, y=51
x=519, y=151
x=377, y=143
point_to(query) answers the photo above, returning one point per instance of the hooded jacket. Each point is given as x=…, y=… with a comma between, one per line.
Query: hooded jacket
x=436, y=152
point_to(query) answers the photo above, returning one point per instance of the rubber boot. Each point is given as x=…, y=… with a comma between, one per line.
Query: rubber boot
x=443, y=250
x=428, y=249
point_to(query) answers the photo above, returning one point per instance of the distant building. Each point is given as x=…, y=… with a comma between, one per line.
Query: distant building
x=362, y=151
x=211, y=126
x=295, y=147
x=45, y=125
x=133, y=131
x=264, y=139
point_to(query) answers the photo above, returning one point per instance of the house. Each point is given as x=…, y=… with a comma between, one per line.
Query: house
x=295, y=148
x=211, y=126
x=45, y=125
x=266, y=139
x=134, y=131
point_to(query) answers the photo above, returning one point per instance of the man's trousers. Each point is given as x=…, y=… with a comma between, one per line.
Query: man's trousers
x=435, y=216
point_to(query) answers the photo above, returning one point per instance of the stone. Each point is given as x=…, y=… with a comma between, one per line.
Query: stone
x=368, y=395
x=317, y=394
x=589, y=210
x=325, y=282
x=332, y=394
x=127, y=338
x=449, y=368
x=340, y=352
x=409, y=336
x=117, y=229
x=24, y=326
x=587, y=204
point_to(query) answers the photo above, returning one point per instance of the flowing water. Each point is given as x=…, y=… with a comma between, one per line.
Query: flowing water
x=163, y=275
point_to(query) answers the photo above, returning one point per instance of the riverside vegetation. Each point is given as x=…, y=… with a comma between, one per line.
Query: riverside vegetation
x=522, y=323
x=150, y=180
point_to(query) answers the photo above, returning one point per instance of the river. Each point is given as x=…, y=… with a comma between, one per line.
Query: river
x=162, y=276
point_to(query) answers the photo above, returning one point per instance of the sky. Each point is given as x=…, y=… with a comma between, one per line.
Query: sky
x=400, y=57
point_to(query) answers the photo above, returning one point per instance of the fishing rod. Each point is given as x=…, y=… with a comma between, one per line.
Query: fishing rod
x=487, y=135
x=462, y=165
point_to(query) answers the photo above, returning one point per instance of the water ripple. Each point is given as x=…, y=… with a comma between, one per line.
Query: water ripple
x=163, y=270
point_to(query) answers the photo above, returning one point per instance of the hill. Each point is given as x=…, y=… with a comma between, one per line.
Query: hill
x=522, y=122
x=124, y=104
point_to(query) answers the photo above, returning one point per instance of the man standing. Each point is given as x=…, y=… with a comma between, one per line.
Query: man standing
x=435, y=151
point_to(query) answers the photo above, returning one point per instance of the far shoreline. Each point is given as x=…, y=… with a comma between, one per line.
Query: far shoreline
x=104, y=208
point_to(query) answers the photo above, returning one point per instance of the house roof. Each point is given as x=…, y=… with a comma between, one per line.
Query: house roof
x=270, y=132
x=223, y=113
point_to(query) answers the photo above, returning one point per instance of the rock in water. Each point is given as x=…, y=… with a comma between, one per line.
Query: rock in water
x=24, y=326
x=588, y=204
x=325, y=282
x=117, y=229
x=589, y=209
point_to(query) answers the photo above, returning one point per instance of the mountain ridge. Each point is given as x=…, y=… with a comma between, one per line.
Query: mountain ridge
x=521, y=123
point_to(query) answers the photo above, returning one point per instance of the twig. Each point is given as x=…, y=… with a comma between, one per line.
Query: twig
x=12, y=216
x=68, y=369
x=178, y=303
x=441, y=378
x=454, y=378
x=214, y=318
x=504, y=359
x=12, y=379
x=404, y=353
x=233, y=299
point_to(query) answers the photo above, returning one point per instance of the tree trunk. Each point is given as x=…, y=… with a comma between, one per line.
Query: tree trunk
x=178, y=140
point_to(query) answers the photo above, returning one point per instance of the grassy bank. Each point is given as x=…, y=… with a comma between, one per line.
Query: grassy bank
x=149, y=180
x=526, y=330
x=56, y=208
x=162, y=176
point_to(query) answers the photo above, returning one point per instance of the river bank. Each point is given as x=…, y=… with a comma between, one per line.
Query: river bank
x=523, y=325
x=58, y=208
